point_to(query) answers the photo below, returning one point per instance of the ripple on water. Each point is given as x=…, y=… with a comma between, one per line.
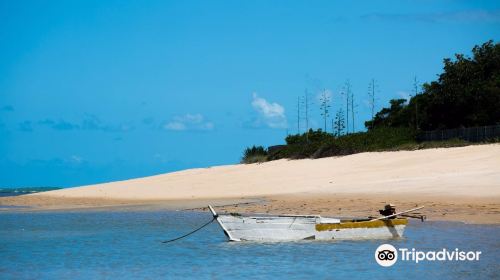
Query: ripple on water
x=127, y=245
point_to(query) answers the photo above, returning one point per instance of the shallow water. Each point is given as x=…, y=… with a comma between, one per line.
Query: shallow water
x=127, y=245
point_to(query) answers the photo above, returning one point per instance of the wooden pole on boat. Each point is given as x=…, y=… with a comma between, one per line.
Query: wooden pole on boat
x=226, y=232
x=393, y=215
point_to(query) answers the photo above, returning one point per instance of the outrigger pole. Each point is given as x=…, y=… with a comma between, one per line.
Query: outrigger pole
x=226, y=232
x=397, y=214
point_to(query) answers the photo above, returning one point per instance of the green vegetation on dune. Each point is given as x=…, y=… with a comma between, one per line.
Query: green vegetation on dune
x=325, y=145
x=466, y=94
x=316, y=144
x=255, y=154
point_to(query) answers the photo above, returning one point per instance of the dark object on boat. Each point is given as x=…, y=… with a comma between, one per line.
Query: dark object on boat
x=388, y=210
x=415, y=216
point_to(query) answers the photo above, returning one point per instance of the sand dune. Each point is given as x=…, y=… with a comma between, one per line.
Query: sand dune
x=459, y=184
x=472, y=171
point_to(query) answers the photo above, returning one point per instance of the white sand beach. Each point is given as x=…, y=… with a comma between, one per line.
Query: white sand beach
x=465, y=176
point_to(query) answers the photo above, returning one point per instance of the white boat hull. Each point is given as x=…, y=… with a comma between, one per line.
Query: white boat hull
x=290, y=228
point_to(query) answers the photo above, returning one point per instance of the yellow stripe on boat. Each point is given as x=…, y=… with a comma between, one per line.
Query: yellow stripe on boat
x=362, y=224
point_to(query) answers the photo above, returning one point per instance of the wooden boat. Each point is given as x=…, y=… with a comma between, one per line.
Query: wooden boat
x=239, y=227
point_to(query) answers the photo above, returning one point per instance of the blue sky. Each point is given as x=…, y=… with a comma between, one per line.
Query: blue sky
x=95, y=91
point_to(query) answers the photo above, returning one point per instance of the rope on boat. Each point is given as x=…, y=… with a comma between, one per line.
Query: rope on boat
x=188, y=234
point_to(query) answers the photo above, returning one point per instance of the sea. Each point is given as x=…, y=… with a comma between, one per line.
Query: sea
x=128, y=245
x=27, y=190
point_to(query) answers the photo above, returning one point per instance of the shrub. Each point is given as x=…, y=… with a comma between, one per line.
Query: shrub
x=254, y=154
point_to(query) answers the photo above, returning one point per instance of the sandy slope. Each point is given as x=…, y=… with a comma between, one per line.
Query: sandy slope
x=468, y=171
x=466, y=176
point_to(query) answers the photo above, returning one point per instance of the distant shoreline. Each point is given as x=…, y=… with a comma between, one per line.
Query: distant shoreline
x=24, y=190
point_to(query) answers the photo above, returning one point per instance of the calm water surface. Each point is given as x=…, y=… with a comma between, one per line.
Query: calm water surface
x=127, y=245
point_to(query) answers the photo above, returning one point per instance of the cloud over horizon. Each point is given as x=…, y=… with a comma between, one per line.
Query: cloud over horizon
x=188, y=122
x=89, y=122
x=271, y=114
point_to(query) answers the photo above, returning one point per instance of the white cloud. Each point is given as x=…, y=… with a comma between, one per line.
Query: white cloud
x=174, y=126
x=272, y=114
x=188, y=122
x=190, y=118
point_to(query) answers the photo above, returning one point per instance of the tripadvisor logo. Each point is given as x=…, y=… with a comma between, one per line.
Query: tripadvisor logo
x=386, y=255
